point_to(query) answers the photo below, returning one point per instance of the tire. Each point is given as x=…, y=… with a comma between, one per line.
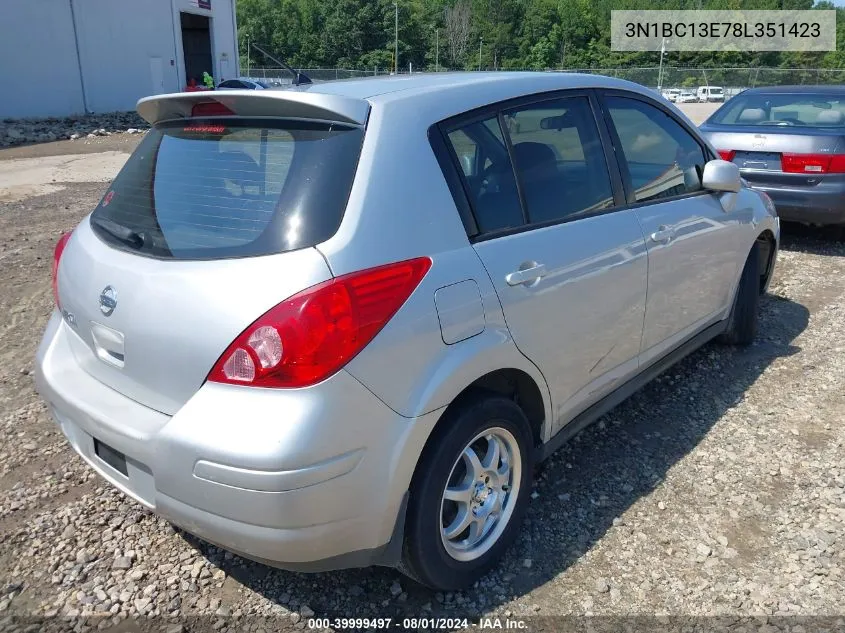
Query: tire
x=430, y=556
x=742, y=322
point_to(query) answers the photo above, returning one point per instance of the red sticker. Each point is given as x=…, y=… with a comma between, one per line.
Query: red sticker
x=108, y=198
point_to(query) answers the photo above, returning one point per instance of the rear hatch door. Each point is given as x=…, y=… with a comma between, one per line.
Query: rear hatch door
x=211, y=223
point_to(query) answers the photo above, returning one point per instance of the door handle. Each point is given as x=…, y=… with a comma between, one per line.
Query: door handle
x=526, y=275
x=663, y=234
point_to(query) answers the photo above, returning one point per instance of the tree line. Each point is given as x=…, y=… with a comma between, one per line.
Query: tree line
x=501, y=34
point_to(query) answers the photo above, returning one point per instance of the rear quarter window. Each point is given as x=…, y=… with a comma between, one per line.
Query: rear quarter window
x=230, y=188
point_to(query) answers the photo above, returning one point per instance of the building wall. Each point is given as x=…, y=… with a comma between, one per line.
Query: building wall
x=39, y=73
x=127, y=50
x=119, y=40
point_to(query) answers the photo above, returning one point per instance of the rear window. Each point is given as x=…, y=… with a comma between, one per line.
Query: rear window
x=230, y=188
x=785, y=110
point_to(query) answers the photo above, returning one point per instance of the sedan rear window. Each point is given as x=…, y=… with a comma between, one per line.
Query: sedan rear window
x=230, y=188
x=785, y=110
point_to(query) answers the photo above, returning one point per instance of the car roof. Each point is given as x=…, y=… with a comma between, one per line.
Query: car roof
x=391, y=87
x=830, y=89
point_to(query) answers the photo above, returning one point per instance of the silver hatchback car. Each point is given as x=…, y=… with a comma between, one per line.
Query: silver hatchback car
x=338, y=325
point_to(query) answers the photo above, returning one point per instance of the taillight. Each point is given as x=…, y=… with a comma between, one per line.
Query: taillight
x=57, y=255
x=727, y=154
x=210, y=108
x=310, y=336
x=813, y=163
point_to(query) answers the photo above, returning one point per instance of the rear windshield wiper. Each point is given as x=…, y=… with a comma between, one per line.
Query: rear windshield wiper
x=129, y=237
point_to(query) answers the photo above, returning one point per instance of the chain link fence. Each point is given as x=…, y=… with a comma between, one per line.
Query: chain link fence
x=283, y=77
x=733, y=80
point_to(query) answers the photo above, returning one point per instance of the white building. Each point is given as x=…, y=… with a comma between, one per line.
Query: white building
x=64, y=57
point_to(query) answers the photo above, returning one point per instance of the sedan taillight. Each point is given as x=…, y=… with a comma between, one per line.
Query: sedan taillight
x=727, y=154
x=313, y=334
x=813, y=163
x=57, y=256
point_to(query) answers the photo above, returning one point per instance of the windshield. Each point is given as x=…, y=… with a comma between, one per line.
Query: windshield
x=230, y=188
x=814, y=110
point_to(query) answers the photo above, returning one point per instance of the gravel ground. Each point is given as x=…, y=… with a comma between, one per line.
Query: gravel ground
x=719, y=489
x=25, y=131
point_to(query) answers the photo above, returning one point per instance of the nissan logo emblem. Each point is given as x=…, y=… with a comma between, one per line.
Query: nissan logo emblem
x=108, y=300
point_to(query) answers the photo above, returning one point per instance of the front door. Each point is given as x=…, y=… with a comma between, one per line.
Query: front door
x=691, y=248
x=569, y=267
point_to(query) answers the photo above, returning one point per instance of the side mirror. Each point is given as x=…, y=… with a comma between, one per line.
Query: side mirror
x=720, y=175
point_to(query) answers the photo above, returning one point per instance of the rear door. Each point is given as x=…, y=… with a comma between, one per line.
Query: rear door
x=209, y=224
x=692, y=251
x=568, y=264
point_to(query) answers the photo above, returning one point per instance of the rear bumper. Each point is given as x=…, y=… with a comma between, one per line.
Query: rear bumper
x=823, y=203
x=308, y=479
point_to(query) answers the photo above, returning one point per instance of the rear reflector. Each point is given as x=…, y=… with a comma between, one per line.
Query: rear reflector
x=313, y=334
x=727, y=154
x=210, y=108
x=813, y=163
x=57, y=256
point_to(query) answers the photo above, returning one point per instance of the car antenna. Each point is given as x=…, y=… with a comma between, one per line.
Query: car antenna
x=298, y=77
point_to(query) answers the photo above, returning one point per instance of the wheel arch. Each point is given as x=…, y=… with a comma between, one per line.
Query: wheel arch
x=512, y=383
x=768, y=252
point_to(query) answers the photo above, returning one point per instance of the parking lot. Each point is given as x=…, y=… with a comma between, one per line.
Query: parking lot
x=719, y=489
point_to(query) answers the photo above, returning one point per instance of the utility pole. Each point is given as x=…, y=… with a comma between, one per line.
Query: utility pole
x=480, y=44
x=660, y=71
x=396, y=41
x=436, y=49
x=247, y=56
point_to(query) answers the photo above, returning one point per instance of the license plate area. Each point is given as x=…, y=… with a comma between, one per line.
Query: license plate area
x=769, y=161
x=112, y=457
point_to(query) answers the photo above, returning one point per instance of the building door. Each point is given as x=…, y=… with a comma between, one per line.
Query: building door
x=196, y=44
x=157, y=75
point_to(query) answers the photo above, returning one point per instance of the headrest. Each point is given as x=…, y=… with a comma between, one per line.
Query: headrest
x=752, y=115
x=530, y=155
x=830, y=117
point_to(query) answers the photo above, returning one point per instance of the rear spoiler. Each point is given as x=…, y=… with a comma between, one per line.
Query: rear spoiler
x=258, y=103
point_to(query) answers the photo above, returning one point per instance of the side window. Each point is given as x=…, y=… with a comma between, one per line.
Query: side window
x=559, y=159
x=663, y=159
x=488, y=175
